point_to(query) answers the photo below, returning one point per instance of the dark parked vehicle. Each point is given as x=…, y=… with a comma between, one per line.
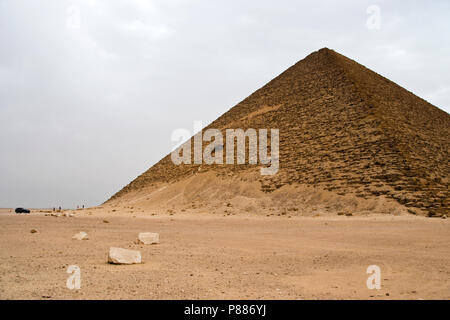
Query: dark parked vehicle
x=22, y=210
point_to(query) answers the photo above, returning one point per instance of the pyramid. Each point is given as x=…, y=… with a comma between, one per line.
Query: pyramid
x=344, y=129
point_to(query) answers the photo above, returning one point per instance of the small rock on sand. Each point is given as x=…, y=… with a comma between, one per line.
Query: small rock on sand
x=81, y=236
x=124, y=256
x=148, y=238
x=33, y=230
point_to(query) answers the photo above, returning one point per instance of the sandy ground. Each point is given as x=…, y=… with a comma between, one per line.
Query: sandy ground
x=234, y=257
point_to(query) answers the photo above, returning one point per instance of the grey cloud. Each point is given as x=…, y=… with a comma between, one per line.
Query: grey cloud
x=85, y=110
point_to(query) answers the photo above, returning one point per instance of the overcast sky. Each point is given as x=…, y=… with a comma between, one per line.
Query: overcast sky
x=91, y=90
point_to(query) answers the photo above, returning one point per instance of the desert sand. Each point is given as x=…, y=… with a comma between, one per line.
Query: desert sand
x=363, y=162
x=206, y=256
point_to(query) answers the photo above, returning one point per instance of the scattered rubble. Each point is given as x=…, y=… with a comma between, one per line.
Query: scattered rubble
x=124, y=256
x=148, y=238
x=81, y=236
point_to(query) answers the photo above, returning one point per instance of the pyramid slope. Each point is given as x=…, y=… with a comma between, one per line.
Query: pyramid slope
x=343, y=128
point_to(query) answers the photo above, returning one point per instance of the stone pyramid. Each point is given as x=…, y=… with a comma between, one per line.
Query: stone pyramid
x=343, y=128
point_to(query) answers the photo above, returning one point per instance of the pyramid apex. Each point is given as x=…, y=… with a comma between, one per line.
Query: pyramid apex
x=322, y=53
x=326, y=50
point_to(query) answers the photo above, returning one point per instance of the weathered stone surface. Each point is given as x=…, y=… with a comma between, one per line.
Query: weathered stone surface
x=81, y=236
x=343, y=128
x=124, y=256
x=148, y=238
